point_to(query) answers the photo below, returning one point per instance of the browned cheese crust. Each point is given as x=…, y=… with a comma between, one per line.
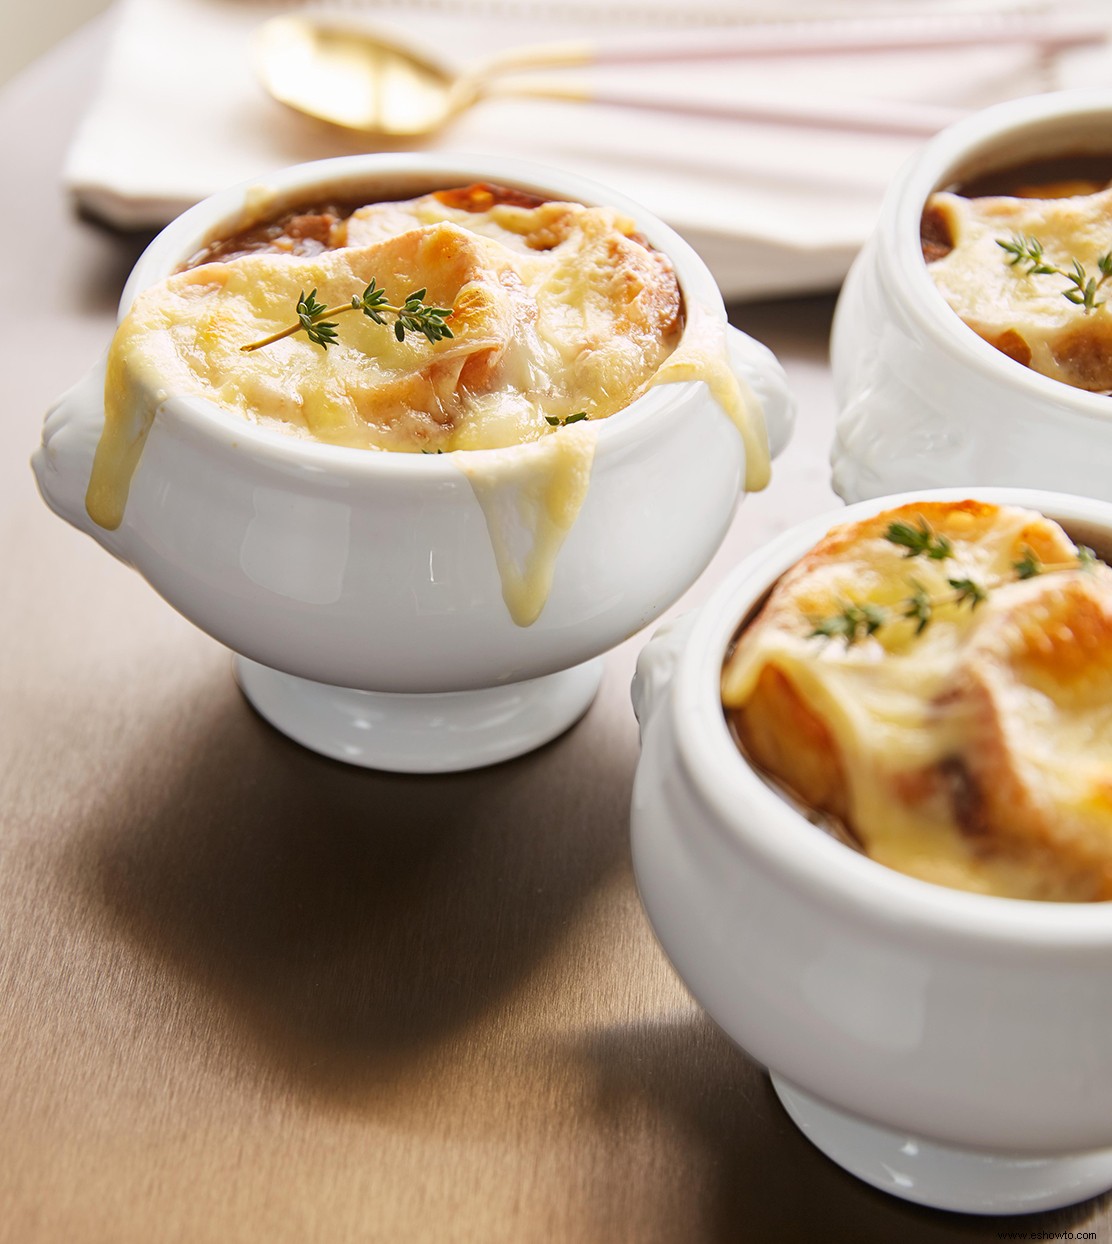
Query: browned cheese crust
x=978, y=753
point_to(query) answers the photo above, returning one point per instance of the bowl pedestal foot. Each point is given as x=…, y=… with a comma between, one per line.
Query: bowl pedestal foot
x=420, y=733
x=943, y=1176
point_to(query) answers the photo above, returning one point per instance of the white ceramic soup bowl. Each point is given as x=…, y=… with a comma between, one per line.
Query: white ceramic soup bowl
x=952, y=1048
x=359, y=589
x=923, y=401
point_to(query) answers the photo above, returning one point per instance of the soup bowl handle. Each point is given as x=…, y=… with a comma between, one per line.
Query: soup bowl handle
x=656, y=666
x=759, y=370
x=63, y=462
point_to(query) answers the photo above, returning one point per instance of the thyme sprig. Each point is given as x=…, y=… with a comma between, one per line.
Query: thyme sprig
x=919, y=540
x=851, y=623
x=1082, y=289
x=855, y=621
x=858, y=620
x=1029, y=566
x=412, y=316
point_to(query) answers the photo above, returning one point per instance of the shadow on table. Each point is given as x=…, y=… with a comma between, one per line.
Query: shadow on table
x=755, y=1177
x=98, y=281
x=348, y=920
x=800, y=325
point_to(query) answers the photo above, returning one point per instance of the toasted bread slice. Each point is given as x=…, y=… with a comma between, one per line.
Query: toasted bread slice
x=973, y=749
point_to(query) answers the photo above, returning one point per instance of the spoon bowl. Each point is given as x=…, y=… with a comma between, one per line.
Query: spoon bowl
x=357, y=79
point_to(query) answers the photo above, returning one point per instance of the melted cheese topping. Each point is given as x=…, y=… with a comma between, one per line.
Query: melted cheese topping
x=556, y=309
x=1026, y=316
x=530, y=500
x=977, y=754
x=702, y=355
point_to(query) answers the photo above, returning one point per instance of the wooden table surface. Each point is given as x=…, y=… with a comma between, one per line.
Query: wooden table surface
x=248, y=994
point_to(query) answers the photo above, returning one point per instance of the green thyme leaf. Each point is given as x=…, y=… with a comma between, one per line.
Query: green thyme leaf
x=852, y=623
x=919, y=540
x=1028, y=566
x=919, y=608
x=967, y=592
x=1024, y=249
x=322, y=332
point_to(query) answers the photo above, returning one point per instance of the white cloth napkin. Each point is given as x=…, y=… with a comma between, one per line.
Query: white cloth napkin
x=772, y=208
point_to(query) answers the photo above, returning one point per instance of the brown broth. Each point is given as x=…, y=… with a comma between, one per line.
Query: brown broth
x=311, y=228
x=1056, y=177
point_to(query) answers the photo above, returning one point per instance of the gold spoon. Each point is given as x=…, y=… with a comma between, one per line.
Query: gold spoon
x=378, y=84
x=365, y=80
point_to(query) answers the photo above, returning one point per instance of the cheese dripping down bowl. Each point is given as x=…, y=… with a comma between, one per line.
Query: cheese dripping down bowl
x=422, y=611
x=924, y=399
x=947, y=1046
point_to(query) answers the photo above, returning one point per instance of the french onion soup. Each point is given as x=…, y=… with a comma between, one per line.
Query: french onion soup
x=935, y=684
x=1024, y=257
x=475, y=318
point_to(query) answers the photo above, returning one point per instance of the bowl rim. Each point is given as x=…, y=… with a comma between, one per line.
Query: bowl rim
x=752, y=816
x=901, y=254
x=207, y=421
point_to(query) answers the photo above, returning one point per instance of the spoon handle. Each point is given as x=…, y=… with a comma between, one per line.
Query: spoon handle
x=869, y=116
x=818, y=38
